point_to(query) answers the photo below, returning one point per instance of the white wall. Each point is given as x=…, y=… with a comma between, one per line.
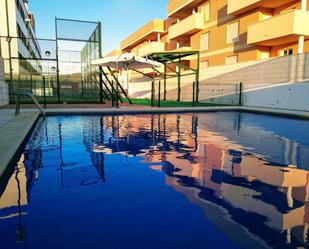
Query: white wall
x=16, y=44
x=281, y=82
x=285, y=96
x=4, y=92
x=140, y=87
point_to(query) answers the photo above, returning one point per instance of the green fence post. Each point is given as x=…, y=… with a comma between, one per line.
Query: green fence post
x=44, y=86
x=100, y=68
x=197, y=78
x=82, y=89
x=165, y=69
x=117, y=90
x=152, y=92
x=193, y=94
x=178, y=82
x=101, y=85
x=18, y=86
x=57, y=62
x=100, y=39
x=17, y=109
x=113, y=94
x=159, y=94
x=240, y=93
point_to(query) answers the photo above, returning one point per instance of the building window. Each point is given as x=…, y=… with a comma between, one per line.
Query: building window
x=204, y=64
x=287, y=52
x=22, y=37
x=206, y=11
x=204, y=41
x=231, y=59
x=264, y=55
x=20, y=9
x=233, y=32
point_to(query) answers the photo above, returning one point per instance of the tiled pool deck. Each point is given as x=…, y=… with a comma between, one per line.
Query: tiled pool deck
x=6, y=116
x=14, y=130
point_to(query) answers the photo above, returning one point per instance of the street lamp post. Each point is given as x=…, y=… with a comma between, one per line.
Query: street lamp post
x=53, y=70
x=47, y=54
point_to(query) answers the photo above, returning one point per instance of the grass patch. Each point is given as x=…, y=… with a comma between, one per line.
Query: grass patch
x=169, y=103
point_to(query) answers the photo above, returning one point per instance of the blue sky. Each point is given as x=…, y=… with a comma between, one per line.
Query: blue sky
x=119, y=17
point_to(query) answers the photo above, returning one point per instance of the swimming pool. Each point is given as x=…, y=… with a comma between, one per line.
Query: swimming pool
x=206, y=180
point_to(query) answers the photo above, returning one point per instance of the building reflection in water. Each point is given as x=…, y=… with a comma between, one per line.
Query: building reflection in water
x=249, y=180
x=14, y=198
x=268, y=199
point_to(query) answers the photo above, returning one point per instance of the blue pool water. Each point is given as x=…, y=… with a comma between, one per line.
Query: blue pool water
x=208, y=180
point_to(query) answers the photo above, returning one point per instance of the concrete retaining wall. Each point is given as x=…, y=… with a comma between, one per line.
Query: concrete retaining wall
x=140, y=87
x=293, y=68
x=267, y=83
x=4, y=91
x=285, y=96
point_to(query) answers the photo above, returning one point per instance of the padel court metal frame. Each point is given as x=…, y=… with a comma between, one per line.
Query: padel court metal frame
x=175, y=58
x=99, y=27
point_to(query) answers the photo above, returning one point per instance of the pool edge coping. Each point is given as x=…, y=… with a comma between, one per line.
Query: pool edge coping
x=16, y=133
x=114, y=111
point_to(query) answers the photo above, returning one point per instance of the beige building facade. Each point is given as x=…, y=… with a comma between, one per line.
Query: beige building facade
x=18, y=23
x=226, y=31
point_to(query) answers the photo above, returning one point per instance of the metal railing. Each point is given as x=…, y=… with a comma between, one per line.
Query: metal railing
x=17, y=108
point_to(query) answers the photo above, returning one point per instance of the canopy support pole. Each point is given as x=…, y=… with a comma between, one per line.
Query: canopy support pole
x=119, y=85
x=179, y=80
x=197, y=78
x=175, y=58
x=111, y=92
x=164, y=83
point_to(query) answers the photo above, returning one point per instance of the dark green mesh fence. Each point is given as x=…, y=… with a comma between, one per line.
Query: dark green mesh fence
x=55, y=70
x=78, y=44
x=33, y=67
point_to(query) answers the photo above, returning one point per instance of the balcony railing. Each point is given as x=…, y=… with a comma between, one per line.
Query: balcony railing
x=114, y=52
x=187, y=26
x=150, y=48
x=147, y=32
x=178, y=8
x=237, y=7
x=182, y=49
x=279, y=29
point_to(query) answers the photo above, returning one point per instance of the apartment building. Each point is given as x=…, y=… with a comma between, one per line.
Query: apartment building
x=18, y=39
x=226, y=31
x=150, y=38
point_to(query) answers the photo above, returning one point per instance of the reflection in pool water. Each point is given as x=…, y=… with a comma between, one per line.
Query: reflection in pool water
x=216, y=180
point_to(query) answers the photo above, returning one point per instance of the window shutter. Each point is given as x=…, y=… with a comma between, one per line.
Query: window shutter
x=205, y=41
x=233, y=32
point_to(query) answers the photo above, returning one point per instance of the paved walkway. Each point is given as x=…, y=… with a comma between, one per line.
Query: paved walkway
x=13, y=131
x=6, y=116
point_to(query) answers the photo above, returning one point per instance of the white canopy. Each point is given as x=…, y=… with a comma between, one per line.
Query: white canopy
x=126, y=61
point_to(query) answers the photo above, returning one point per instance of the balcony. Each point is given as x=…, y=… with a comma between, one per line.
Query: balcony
x=187, y=26
x=181, y=8
x=279, y=29
x=147, y=32
x=150, y=48
x=237, y=7
x=114, y=52
x=183, y=49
